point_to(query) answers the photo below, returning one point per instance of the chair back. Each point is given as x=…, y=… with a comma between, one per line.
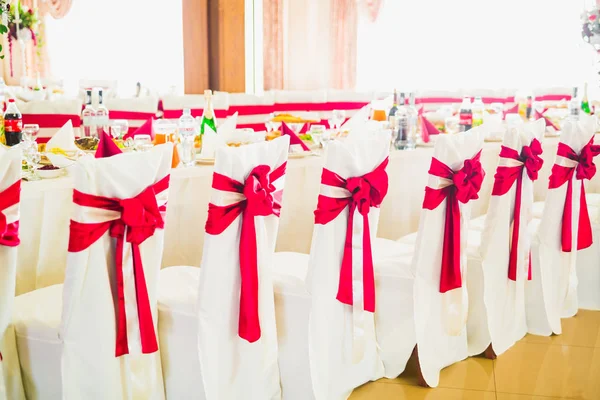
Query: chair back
x=50, y=115
x=237, y=335
x=342, y=342
x=136, y=110
x=109, y=297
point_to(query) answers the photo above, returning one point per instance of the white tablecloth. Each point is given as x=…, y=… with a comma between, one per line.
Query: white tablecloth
x=46, y=205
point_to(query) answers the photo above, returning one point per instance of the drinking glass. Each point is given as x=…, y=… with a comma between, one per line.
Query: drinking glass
x=451, y=124
x=296, y=126
x=30, y=131
x=32, y=158
x=119, y=128
x=164, y=131
x=338, y=117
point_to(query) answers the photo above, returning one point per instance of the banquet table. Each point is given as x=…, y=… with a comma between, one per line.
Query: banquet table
x=46, y=208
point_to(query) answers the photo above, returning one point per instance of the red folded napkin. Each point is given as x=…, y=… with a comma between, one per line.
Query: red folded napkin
x=427, y=128
x=512, y=110
x=145, y=129
x=294, y=139
x=539, y=115
x=106, y=147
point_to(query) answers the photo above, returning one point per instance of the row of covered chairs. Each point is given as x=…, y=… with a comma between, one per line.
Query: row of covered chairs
x=252, y=323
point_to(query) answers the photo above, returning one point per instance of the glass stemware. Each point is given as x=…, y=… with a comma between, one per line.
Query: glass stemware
x=30, y=131
x=32, y=158
x=337, y=118
x=118, y=128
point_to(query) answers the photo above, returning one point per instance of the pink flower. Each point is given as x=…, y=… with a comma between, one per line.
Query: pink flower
x=592, y=17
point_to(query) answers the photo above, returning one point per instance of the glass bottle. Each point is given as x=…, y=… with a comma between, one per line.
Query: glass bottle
x=102, y=115
x=187, y=133
x=478, y=108
x=88, y=116
x=394, y=108
x=208, y=115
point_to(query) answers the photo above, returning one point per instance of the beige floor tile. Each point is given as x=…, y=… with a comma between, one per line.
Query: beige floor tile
x=549, y=370
x=381, y=391
x=581, y=330
x=474, y=373
x=506, y=396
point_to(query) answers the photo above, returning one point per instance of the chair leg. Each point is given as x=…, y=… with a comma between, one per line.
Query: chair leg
x=489, y=353
x=421, y=381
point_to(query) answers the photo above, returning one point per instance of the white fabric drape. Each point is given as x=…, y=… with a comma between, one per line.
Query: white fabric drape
x=232, y=368
x=440, y=318
x=10, y=374
x=443, y=45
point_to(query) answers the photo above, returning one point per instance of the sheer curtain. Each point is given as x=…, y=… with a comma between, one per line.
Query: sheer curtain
x=123, y=40
x=446, y=45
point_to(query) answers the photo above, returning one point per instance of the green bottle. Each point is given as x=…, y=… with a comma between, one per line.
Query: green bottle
x=208, y=115
x=585, y=104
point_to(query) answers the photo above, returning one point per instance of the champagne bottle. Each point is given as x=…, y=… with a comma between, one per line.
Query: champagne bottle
x=208, y=115
x=585, y=104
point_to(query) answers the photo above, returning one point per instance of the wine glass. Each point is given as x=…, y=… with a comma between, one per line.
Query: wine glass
x=30, y=131
x=337, y=118
x=32, y=158
x=119, y=128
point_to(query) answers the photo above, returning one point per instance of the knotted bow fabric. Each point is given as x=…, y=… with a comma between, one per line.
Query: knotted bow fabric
x=261, y=199
x=582, y=165
x=9, y=233
x=138, y=219
x=462, y=185
x=364, y=192
x=505, y=178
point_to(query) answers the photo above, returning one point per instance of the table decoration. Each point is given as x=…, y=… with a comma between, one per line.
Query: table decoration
x=294, y=139
x=22, y=26
x=210, y=143
x=106, y=147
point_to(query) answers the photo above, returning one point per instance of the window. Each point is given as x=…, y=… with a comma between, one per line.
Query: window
x=123, y=40
x=472, y=44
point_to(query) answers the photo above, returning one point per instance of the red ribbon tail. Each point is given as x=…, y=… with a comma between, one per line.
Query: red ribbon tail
x=529, y=272
x=567, y=219
x=514, y=246
x=249, y=324
x=122, y=345
x=450, y=277
x=147, y=333
x=344, y=294
x=368, y=272
x=584, y=233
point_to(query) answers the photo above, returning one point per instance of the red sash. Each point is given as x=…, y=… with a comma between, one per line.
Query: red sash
x=9, y=233
x=365, y=192
x=139, y=217
x=585, y=169
x=464, y=185
x=505, y=178
x=262, y=199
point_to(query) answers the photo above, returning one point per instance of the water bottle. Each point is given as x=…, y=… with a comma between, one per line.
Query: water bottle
x=187, y=128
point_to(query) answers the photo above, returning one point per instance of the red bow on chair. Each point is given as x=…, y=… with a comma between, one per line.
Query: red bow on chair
x=505, y=178
x=364, y=192
x=139, y=217
x=261, y=199
x=567, y=163
x=9, y=233
x=462, y=185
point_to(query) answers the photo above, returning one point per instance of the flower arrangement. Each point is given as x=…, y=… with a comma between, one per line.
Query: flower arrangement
x=22, y=26
x=590, y=28
x=4, y=14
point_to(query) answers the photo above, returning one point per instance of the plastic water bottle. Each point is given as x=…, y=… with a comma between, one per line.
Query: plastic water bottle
x=187, y=132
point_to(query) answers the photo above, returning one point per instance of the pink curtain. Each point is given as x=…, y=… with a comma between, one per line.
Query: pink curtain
x=273, y=44
x=344, y=24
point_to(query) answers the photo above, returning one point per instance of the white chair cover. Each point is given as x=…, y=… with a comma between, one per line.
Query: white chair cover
x=440, y=319
x=233, y=368
x=10, y=373
x=497, y=303
x=343, y=349
x=87, y=330
x=552, y=294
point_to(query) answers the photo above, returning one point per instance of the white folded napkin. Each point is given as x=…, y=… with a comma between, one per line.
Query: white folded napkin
x=364, y=128
x=357, y=120
x=229, y=125
x=211, y=142
x=63, y=139
x=59, y=160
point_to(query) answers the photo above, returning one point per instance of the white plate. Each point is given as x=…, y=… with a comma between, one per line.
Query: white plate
x=50, y=173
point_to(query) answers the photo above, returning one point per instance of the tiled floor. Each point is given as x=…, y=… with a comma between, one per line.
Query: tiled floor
x=536, y=368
